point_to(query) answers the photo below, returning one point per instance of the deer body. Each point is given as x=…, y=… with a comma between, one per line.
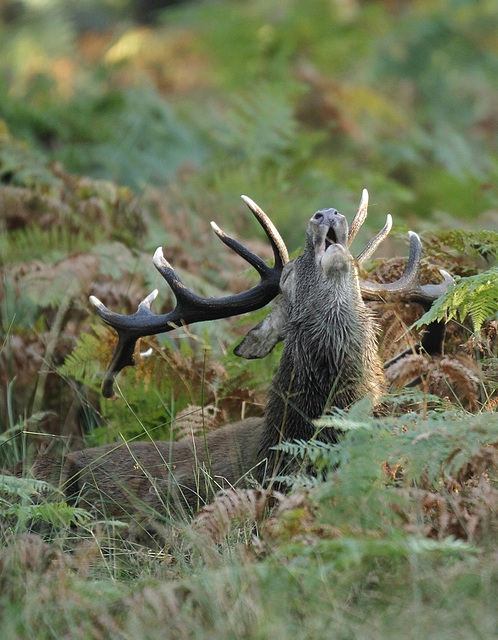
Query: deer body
x=120, y=479
x=329, y=359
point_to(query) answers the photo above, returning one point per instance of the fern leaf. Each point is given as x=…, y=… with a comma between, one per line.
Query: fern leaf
x=46, y=244
x=23, y=488
x=216, y=519
x=475, y=297
x=58, y=514
x=82, y=364
x=258, y=127
x=482, y=243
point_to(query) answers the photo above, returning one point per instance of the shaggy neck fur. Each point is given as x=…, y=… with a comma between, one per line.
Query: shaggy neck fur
x=330, y=358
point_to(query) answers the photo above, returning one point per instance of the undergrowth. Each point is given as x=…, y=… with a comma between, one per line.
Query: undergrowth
x=403, y=504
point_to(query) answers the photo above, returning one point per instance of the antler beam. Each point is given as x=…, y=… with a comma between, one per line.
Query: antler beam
x=408, y=287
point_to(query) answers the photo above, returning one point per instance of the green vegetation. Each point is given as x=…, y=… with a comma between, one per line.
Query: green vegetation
x=116, y=137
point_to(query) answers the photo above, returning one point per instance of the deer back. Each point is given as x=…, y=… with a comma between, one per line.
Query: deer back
x=164, y=476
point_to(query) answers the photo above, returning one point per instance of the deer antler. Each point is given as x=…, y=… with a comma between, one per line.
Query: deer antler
x=191, y=307
x=358, y=220
x=359, y=217
x=407, y=287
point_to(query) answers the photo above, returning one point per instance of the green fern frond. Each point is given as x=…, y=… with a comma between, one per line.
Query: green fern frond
x=442, y=444
x=58, y=514
x=20, y=499
x=475, y=297
x=430, y=447
x=482, y=243
x=259, y=127
x=296, y=449
x=81, y=364
x=23, y=488
x=48, y=245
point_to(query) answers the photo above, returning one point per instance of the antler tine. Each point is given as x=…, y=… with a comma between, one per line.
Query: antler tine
x=191, y=307
x=371, y=247
x=408, y=286
x=279, y=249
x=123, y=354
x=359, y=217
x=356, y=224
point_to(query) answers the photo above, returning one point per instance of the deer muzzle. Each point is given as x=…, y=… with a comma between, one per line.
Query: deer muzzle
x=329, y=230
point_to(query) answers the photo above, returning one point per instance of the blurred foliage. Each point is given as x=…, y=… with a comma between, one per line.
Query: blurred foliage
x=294, y=103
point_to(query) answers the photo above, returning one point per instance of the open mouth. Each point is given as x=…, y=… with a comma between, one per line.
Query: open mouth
x=330, y=238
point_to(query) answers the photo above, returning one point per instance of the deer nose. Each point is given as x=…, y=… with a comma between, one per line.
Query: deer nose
x=318, y=217
x=324, y=216
x=327, y=216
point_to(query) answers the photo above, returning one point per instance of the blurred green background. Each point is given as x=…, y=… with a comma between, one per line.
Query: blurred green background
x=299, y=104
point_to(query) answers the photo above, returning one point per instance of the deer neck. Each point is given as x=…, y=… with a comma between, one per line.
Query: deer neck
x=323, y=361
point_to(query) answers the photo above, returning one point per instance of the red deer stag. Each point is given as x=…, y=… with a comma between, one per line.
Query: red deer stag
x=329, y=359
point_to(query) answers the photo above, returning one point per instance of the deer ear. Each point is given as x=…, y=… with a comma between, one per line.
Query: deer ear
x=260, y=341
